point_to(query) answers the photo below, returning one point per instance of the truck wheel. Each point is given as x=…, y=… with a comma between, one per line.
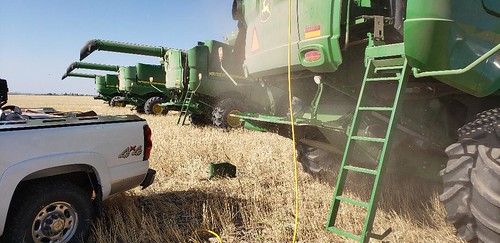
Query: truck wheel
x=55, y=211
x=117, y=102
x=198, y=119
x=221, y=112
x=152, y=106
x=471, y=193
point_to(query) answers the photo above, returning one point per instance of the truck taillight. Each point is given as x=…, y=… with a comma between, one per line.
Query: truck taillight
x=312, y=56
x=148, y=143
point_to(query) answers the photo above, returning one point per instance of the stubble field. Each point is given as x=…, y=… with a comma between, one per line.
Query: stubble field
x=256, y=206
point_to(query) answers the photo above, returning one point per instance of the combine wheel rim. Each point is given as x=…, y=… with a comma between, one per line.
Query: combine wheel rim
x=157, y=109
x=233, y=121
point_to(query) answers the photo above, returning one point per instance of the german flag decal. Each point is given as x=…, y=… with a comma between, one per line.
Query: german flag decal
x=313, y=31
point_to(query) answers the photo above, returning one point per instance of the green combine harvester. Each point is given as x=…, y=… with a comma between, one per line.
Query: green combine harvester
x=386, y=84
x=205, y=82
x=131, y=85
x=106, y=85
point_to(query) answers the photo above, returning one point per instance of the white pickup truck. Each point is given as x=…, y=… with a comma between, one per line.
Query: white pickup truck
x=55, y=172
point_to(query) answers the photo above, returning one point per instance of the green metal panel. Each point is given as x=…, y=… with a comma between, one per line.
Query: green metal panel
x=130, y=83
x=446, y=37
x=198, y=65
x=127, y=77
x=204, y=59
x=154, y=73
x=174, y=67
x=107, y=85
x=100, y=82
x=318, y=28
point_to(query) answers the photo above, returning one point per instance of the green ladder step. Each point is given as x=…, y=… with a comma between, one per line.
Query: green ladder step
x=382, y=79
x=389, y=68
x=352, y=201
x=361, y=170
x=368, y=139
x=376, y=108
x=400, y=66
x=185, y=107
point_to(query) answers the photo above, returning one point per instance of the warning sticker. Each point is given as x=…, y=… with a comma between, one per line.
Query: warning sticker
x=312, y=31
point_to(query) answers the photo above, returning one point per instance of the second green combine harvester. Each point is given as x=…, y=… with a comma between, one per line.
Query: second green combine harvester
x=206, y=82
x=106, y=85
x=141, y=85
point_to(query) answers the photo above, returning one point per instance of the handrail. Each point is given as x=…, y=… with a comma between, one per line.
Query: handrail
x=482, y=58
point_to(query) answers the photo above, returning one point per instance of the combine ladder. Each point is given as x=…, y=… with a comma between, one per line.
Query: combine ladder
x=188, y=99
x=396, y=72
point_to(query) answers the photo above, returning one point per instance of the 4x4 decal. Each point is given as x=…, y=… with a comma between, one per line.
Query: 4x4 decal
x=131, y=151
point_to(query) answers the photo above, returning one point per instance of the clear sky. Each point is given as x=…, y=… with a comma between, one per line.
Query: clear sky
x=39, y=39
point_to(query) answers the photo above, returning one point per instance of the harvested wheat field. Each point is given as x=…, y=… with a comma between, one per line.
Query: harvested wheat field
x=256, y=206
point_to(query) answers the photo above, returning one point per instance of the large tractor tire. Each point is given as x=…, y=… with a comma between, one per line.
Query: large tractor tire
x=117, y=101
x=221, y=112
x=51, y=211
x=152, y=106
x=471, y=180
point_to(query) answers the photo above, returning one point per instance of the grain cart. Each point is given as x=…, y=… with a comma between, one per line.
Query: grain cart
x=387, y=82
x=203, y=84
x=106, y=85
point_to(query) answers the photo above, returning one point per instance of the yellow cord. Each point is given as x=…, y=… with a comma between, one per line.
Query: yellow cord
x=208, y=231
x=296, y=225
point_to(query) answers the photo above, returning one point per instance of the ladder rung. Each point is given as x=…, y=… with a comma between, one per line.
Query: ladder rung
x=383, y=79
x=388, y=68
x=375, y=108
x=343, y=233
x=360, y=170
x=368, y=139
x=352, y=201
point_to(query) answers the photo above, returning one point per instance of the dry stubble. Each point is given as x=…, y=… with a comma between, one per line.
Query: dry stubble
x=258, y=205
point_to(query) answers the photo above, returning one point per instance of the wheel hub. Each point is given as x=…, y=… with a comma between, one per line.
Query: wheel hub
x=56, y=222
x=157, y=109
x=233, y=121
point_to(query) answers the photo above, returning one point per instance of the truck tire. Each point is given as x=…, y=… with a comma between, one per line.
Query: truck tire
x=471, y=193
x=221, y=112
x=152, y=106
x=117, y=102
x=51, y=211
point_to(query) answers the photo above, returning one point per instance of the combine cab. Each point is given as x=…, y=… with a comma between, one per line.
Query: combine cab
x=386, y=82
